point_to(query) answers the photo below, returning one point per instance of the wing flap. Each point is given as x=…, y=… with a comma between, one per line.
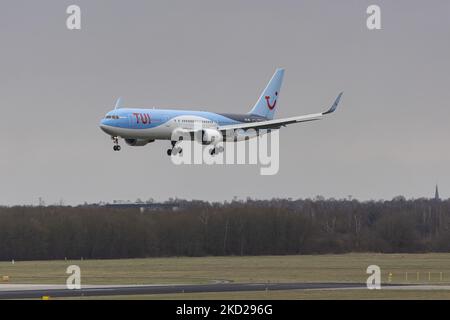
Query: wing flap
x=272, y=124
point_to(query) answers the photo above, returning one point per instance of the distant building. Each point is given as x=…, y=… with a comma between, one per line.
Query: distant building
x=436, y=194
x=142, y=206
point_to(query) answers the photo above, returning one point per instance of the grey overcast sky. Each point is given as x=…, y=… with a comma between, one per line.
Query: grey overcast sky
x=389, y=137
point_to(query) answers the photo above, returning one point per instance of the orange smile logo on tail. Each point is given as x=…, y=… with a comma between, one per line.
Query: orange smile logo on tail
x=271, y=107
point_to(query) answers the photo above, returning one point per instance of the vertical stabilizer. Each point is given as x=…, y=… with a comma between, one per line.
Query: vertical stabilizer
x=267, y=102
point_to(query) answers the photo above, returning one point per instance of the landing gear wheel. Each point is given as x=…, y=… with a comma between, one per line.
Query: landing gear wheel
x=116, y=143
x=177, y=150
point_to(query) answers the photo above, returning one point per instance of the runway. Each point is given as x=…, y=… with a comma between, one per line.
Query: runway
x=13, y=291
x=23, y=291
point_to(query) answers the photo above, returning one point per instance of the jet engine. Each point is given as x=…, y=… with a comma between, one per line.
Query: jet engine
x=137, y=142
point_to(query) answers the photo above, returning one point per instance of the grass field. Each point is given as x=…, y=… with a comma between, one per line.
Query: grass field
x=396, y=268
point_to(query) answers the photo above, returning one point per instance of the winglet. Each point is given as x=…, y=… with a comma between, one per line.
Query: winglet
x=335, y=104
x=118, y=103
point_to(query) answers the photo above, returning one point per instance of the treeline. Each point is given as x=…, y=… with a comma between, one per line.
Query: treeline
x=276, y=227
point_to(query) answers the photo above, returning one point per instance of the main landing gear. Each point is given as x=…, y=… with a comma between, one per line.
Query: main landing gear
x=178, y=150
x=175, y=149
x=216, y=150
x=116, y=144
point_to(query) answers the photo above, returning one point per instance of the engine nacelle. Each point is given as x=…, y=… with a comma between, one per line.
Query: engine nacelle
x=211, y=136
x=138, y=142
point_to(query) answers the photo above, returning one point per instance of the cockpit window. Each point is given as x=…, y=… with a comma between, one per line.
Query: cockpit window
x=112, y=117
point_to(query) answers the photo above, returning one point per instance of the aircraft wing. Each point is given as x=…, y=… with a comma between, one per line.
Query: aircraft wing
x=277, y=123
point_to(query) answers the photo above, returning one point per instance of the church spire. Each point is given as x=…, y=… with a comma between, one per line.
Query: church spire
x=436, y=193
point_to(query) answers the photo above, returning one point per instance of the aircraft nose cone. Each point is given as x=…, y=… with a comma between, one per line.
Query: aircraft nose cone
x=104, y=126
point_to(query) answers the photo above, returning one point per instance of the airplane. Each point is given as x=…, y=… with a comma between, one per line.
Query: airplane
x=138, y=127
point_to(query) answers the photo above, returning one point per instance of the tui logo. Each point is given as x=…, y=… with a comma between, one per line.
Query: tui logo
x=143, y=118
x=271, y=107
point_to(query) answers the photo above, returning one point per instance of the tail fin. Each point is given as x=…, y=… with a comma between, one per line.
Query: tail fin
x=268, y=100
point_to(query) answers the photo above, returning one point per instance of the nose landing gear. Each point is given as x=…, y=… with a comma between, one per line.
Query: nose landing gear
x=116, y=144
